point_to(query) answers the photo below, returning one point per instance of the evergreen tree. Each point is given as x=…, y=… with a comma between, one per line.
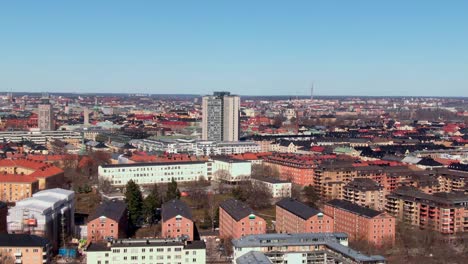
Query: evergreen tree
x=134, y=200
x=311, y=195
x=151, y=203
x=172, y=191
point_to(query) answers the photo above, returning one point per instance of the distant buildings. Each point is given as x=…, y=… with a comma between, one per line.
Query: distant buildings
x=237, y=219
x=25, y=249
x=177, y=220
x=298, y=248
x=446, y=213
x=293, y=216
x=361, y=223
x=220, y=117
x=49, y=213
x=46, y=115
x=151, y=250
x=109, y=221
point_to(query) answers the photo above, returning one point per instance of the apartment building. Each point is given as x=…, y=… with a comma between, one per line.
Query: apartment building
x=156, y=172
x=278, y=188
x=329, y=177
x=109, y=221
x=146, y=251
x=453, y=180
x=237, y=219
x=177, y=220
x=17, y=187
x=361, y=223
x=49, y=213
x=292, y=168
x=299, y=248
x=446, y=213
x=293, y=216
x=220, y=117
x=365, y=192
x=25, y=249
x=47, y=175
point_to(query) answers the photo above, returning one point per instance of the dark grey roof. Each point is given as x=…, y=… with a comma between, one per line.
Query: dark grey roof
x=174, y=208
x=94, y=247
x=236, y=209
x=3, y=204
x=363, y=184
x=22, y=240
x=269, y=179
x=253, y=257
x=354, y=208
x=114, y=210
x=196, y=244
x=297, y=208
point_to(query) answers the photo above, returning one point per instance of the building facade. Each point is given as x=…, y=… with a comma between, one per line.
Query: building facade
x=278, y=188
x=164, y=251
x=361, y=223
x=237, y=219
x=177, y=220
x=365, y=192
x=230, y=170
x=220, y=117
x=293, y=216
x=109, y=221
x=45, y=115
x=446, y=213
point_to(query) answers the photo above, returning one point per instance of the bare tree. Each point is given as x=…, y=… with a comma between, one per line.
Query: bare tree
x=6, y=258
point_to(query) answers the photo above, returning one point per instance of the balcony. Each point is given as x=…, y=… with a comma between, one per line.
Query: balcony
x=18, y=261
x=18, y=254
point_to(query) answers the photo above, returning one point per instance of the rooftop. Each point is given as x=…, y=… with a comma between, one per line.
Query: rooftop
x=297, y=208
x=174, y=208
x=22, y=240
x=353, y=208
x=110, y=209
x=236, y=209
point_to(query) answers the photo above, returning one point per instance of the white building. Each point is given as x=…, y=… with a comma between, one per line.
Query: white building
x=47, y=213
x=145, y=251
x=231, y=170
x=298, y=248
x=194, y=147
x=151, y=173
x=278, y=188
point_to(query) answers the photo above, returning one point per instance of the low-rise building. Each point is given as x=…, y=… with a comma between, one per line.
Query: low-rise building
x=226, y=169
x=109, y=221
x=49, y=213
x=152, y=173
x=446, y=213
x=361, y=223
x=177, y=220
x=278, y=188
x=25, y=249
x=152, y=250
x=299, y=248
x=293, y=216
x=237, y=219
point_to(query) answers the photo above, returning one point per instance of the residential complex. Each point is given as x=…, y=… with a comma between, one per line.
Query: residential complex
x=46, y=115
x=293, y=216
x=365, y=192
x=446, y=213
x=109, y=221
x=25, y=249
x=361, y=223
x=237, y=219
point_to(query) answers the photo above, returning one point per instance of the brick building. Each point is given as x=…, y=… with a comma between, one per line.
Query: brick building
x=293, y=216
x=17, y=187
x=177, y=220
x=26, y=249
x=446, y=213
x=291, y=167
x=361, y=223
x=237, y=219
x=365, y=192
x=110, y=220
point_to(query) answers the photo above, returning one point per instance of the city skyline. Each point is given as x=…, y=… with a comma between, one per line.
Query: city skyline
x=401, y=48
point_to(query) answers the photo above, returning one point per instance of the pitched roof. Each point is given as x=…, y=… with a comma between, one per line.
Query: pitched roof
x=174, y=208
x=236, y=209
x=22, y=240
x=111, y=209
x=354, y=208
x=297, y=208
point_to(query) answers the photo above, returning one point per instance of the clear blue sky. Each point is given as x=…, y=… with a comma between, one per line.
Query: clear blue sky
x=347, y=47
